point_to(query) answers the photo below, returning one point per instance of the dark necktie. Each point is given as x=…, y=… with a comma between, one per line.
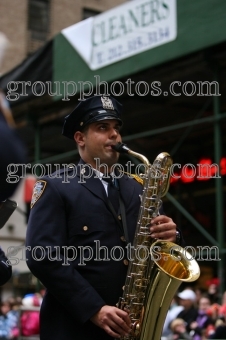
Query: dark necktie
x=113, y=193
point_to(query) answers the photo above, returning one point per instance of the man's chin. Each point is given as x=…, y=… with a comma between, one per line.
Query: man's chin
x=110, y=159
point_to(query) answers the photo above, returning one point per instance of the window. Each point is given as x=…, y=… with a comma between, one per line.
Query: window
x=38, y=19
x=87, y=13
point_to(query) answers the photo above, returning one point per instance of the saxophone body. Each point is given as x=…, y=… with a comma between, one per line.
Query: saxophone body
x=157, y=267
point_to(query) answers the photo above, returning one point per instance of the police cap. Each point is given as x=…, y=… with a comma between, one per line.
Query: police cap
x=91, y=110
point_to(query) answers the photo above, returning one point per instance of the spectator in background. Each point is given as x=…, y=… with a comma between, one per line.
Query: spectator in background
x=15, y=305
x=190, y=312
x=220, y=330
x=213, y=292
x=30, y=317
x=199, y=294
x=178, y=327
x=222, y=309
x=199, y=326
x=8, y=322
x=214, y=310
x=174, y=310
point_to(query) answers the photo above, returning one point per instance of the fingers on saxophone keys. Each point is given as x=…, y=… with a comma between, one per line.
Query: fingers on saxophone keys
x=156, y=230
x=117, y=329
x=152, y=232
x=159, y=232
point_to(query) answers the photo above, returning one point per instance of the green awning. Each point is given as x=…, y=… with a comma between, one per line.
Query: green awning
x=200, y=24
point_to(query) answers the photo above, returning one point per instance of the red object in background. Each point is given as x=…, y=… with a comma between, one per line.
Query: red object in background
x=188, y=174
x=209, y=330
x=203, y=171
x=213, y=281
x=29, y=320
x=28, y=188
x=30, y=323
x=222, y=311
x=223, y=166
x=213, y=311
x=206, y=172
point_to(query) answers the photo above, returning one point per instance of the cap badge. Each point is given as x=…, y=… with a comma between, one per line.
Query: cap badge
x=107, y=103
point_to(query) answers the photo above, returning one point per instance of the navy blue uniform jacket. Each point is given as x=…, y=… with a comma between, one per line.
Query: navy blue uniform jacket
x=5, y=269
x=76, y=215
x=12, y=151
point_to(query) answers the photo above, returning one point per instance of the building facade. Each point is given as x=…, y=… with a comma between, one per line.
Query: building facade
x=29, y=24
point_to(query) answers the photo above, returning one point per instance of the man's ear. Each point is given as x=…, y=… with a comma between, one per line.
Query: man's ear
x=79, y=138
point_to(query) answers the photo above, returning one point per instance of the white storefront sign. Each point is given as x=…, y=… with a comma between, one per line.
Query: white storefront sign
x=123, y=31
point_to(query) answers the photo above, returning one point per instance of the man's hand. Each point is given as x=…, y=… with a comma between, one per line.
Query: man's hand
x=163, y=227
x=194, y=325
x=113, y=320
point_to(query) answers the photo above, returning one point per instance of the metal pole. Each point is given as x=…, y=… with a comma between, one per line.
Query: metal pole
x=144, y=134
x=191, y=219
x=219, y=191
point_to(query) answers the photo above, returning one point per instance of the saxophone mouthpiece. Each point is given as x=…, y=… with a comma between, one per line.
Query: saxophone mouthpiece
x=120, y=147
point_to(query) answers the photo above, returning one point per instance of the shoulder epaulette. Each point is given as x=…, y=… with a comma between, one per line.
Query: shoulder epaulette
x=136, y=177
x=70, y=167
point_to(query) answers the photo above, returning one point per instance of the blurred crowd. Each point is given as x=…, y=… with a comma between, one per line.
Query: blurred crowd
x=196, y=315
x=193, y=315
x=20, y=316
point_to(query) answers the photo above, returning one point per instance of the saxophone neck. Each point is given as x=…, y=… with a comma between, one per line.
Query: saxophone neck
x=122, y=148
x=161, y=165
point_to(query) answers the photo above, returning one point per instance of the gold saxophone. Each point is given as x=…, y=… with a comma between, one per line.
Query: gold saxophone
x=157, y=267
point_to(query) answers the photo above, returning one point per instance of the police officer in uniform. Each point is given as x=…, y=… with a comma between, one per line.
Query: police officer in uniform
x=75, y=245
x=11, y=151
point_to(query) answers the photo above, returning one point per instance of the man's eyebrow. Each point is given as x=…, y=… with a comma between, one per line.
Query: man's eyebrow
x=101, y=123
x=117, y=125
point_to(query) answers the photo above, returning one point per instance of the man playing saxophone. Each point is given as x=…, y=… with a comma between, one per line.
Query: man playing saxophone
x=77, y=240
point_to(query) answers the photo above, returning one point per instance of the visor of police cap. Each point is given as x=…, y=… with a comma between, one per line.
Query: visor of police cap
x=91, y=110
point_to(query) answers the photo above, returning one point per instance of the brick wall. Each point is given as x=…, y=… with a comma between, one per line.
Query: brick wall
x=13, y=23
x=65, y=13
x=62, y=13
